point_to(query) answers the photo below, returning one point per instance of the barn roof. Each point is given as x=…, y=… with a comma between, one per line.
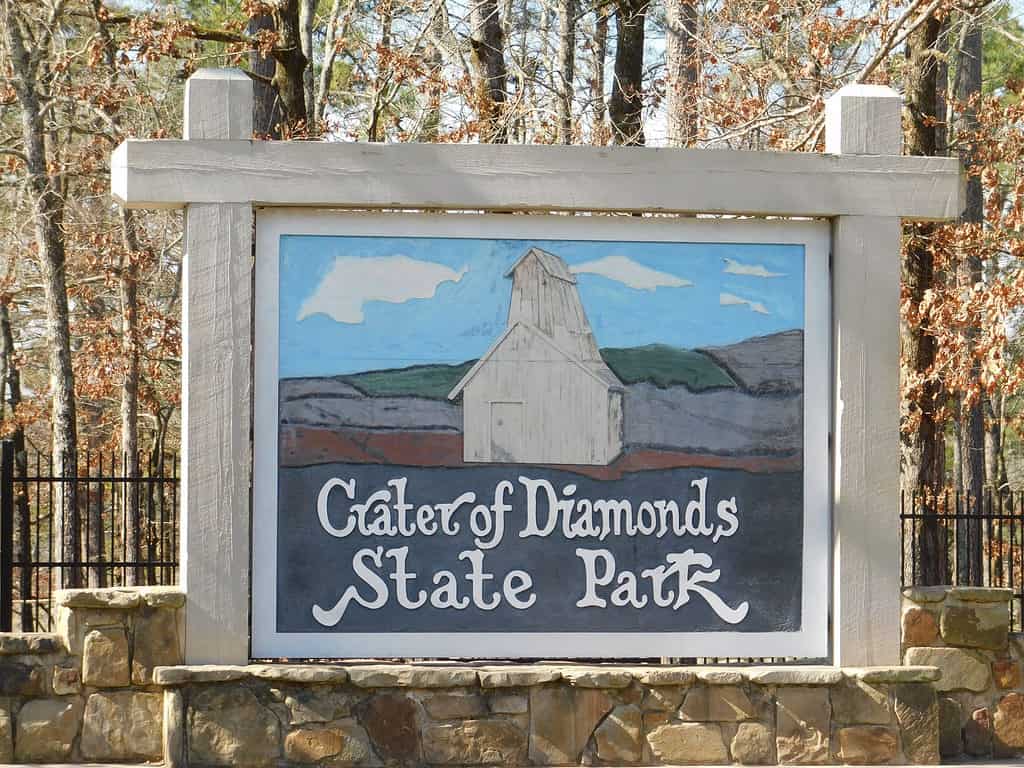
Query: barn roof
x=597, y=370
x=553, y=265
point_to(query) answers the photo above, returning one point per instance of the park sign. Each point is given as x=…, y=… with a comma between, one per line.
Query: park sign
x=552, y=434
x=557, y=436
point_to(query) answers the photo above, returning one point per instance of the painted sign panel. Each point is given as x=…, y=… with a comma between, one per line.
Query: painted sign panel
x=539, y=436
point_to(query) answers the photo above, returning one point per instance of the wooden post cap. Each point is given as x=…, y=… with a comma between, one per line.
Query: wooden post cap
x=218, y=105
x=864, y=120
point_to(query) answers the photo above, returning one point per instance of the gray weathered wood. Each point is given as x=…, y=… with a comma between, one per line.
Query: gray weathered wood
x=218, y=105
x=217, y=395
x=866, y=567
x=864, y=120
x=865, y=344
x=169, y=174
x=219, y=175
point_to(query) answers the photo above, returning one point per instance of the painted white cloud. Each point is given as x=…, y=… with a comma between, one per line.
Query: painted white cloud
x=628, y=272
x=734, y=267
x=732, y=300
x=353, y=281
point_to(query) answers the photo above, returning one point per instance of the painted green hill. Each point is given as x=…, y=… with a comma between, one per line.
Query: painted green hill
x=665, y=366
x=658, y=364
x=431, y=381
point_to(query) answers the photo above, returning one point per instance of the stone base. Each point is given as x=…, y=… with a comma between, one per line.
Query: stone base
x=547, y=715
x=86, y=693
x=965, y=632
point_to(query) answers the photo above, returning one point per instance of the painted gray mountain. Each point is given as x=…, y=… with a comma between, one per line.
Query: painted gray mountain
x=744, y=400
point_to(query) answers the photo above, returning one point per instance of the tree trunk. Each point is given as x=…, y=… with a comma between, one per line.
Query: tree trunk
x=626, y=106
x=487, y=41
x=942, y=104
x=157, y=463
x=290, y=64
x=10, y=383
x=375, y=132
x=266, y=106
x=1003, y=480
x=993, y=440
x=600, y=49
x=969, y=543
x=127, y=271
x=307, y=10
x=47, y=214
x=920, y=461
x=331, y=39
x=566, y=67
x=128, y=295
x=430, y=125
x=969, y=534
x=958, y=461
x=526, y=65
x=682, y=72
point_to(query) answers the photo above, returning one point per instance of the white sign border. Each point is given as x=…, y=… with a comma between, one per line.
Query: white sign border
x=810, y=641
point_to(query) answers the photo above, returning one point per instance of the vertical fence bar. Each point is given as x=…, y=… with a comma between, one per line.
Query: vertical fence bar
x=35, y=537
x=50, y=553
x=174, y=514
x=7, y=533
x=1013, y=583
x=24, y=512
x=91, y=579
x=123, y=485
x=157, y=492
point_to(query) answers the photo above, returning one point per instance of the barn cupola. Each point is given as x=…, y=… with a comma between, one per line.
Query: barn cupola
x=544, y=295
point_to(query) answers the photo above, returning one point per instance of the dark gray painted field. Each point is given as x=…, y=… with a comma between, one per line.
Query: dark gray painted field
x=360, y=411
x=721, y=421
x=761, y=416
x=760, y=564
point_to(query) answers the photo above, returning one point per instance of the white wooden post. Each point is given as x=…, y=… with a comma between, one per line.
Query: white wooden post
x=217, y=390
x=865, y=120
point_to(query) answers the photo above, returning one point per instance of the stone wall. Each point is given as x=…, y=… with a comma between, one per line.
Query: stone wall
x=110, y=686
x=965, y=632
x=87, y=691
x=459, y=714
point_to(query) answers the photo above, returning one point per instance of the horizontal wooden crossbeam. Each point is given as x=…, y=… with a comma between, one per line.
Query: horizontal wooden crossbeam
x=173, y=173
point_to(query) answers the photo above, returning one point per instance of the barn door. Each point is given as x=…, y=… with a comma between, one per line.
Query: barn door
x=507, y=423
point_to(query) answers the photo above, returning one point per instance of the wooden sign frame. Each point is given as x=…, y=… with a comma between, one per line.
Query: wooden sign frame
x=810, y=641
x=217, y=174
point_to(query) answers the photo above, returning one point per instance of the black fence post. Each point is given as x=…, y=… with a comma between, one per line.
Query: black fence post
x=6, y=536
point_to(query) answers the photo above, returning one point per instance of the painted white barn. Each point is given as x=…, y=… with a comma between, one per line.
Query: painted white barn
x=542, y=394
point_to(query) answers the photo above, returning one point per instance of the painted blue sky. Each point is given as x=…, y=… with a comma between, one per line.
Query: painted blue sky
x=350, y=304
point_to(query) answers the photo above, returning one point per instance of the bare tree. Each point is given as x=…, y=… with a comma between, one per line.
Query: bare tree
x=566, y=68
x=266, y=106
x=290, y=64
x=625, y=109
x=600, y=51
x=487, y=41
x=127, y=271
x=381, y=83
x=921, y=434
x=10, y=383
x=972, y=421
x=682, y=74
x=307, y=14
x=336, y=27
x=27, y=43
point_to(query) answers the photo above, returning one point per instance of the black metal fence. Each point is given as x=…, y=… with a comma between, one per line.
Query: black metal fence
x=126, y=517
x=952, y=537
x=128, y=533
